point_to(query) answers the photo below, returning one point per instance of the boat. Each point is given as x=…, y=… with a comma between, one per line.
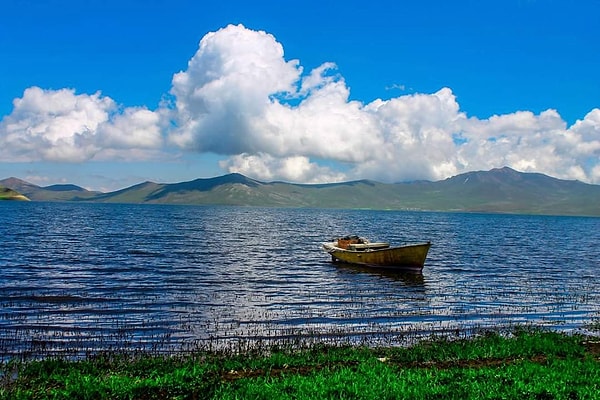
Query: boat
x=360, y=251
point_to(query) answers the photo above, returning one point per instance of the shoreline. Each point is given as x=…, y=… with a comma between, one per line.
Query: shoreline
x=526, y=363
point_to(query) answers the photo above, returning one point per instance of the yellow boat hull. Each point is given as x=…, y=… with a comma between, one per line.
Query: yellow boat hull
x=404, y=258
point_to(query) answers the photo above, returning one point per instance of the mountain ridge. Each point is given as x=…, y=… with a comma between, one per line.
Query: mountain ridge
x=499, y=190
x=57, y=192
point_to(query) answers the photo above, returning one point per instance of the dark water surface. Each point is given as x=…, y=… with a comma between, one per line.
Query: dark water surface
x=87, y=277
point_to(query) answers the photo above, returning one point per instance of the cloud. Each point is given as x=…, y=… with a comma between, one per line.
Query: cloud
x=61, y=126
x=290, y=169
x=536, y=143
x=228, y=86
x=239, y=97
x=134, y=128
x=397, y=86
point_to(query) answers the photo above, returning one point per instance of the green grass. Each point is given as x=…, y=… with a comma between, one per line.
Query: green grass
x=527, y=364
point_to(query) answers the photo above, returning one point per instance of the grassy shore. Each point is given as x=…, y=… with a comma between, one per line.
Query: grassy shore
x=526, y=364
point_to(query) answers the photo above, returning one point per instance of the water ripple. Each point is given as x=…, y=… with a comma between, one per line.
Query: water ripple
x=79, y=278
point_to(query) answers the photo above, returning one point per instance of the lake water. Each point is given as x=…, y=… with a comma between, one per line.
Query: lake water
x=79, y=278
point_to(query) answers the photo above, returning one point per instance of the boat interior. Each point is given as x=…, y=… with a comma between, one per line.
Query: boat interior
x=356, y=243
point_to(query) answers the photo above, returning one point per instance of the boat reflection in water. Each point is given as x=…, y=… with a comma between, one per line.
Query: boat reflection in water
x=408, y=279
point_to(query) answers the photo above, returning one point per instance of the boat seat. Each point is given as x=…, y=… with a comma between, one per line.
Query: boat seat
x=368, y=246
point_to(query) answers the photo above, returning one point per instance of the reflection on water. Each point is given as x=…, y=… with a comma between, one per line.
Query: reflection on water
x=85, y=277
x=409, y=279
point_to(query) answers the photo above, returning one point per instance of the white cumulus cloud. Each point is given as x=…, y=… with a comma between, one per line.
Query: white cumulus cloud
x=290, y=169
x=62, y=126
x=241, y=98
x=227, y=86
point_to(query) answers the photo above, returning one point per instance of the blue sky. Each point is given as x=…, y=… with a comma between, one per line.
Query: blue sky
x=106, y=94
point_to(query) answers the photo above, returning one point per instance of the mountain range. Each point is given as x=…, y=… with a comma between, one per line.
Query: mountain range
x=500, y=190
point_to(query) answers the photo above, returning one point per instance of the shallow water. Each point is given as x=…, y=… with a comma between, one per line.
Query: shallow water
x=79, y=278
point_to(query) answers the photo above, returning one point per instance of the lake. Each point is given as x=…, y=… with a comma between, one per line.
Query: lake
x=78, y=278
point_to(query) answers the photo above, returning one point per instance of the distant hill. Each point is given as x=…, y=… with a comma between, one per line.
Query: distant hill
x=64, y=188
x=9, y=194
x=501, y=190
x=232, y=189
x=48, y=193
